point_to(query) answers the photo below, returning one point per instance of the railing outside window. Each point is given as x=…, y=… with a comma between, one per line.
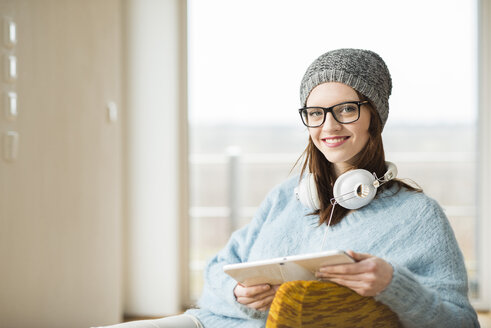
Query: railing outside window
x=227, y=188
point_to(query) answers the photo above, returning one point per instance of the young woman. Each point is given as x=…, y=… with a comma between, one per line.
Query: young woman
x=406, y=253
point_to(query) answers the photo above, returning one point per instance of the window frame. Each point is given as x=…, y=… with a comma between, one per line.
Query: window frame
x=484, y=155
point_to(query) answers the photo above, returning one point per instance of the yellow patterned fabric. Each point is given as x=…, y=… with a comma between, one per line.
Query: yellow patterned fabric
x=311, y=304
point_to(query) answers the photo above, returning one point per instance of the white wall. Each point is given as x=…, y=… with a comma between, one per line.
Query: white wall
x=79, y=178
x=61, y=200
x=156, y=156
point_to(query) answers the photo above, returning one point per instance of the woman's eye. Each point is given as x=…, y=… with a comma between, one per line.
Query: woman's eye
x=348, y=109
x=316, y=113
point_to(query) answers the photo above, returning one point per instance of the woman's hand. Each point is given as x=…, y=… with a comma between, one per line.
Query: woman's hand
x=367, y=277
x=257, y=297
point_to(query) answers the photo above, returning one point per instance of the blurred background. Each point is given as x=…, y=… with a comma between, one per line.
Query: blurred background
x=136, y=135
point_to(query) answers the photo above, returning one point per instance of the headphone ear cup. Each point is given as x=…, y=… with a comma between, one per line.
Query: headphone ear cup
x=306, y=192
x=354, y=189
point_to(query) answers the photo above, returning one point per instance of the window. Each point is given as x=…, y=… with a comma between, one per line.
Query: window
x=246, y=60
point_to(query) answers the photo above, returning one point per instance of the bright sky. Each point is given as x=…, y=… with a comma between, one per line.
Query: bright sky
x=247, y=57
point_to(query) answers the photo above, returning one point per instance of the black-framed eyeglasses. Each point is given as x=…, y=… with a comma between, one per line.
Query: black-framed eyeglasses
x=344, y=113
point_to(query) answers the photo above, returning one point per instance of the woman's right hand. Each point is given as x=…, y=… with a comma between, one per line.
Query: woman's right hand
x=257, y=297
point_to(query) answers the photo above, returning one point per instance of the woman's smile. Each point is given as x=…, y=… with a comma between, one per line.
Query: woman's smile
x=333, y=142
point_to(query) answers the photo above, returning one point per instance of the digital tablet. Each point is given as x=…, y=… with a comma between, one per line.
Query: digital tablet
x=282, y=269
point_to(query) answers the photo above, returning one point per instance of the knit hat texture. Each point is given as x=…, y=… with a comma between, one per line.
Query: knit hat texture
x=363, y=70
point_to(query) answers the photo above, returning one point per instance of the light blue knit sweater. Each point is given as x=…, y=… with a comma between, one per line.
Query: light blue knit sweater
x=408, y=229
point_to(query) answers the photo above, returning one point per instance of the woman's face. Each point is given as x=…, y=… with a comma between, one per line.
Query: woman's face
x=339, y=143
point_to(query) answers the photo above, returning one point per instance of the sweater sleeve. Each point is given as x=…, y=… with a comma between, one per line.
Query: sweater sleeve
x=218, y=296
x=429, y=288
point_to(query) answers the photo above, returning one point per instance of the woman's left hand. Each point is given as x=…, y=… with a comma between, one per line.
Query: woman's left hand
x=367, y=277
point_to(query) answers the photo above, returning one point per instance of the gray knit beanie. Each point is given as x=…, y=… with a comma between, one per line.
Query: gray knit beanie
x=363, y=70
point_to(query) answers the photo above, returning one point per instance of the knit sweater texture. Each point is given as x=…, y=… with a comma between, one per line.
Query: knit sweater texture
x=407, y=229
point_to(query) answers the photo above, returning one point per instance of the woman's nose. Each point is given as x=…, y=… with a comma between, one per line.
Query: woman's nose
x=330, y=124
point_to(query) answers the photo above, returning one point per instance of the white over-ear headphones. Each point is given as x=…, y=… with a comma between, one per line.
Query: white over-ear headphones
x=352, y=190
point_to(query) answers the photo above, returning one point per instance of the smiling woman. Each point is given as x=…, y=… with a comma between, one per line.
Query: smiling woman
x=431, y=141
x=391, y=233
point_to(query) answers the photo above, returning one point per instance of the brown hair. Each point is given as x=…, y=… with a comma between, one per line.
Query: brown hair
x=370, y=158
